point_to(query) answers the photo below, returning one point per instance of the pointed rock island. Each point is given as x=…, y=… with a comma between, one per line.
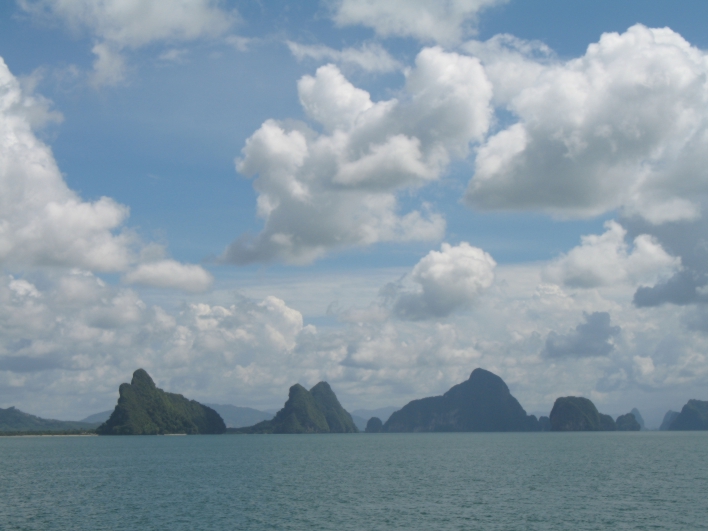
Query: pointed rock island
x=143, y=409
x=482, y=403
x=315, y=411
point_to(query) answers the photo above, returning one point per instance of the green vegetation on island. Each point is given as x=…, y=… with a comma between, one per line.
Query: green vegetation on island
x=576, y=413
x=315, y=411
x=143, y=409
x=14, y=420
x=628, y=422
x=338, y=419
x=693, y=416
x=482, y=403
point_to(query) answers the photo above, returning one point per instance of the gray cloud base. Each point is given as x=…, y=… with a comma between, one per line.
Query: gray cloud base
x=589, y=339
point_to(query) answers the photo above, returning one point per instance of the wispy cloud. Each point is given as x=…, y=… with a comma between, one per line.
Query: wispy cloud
x=369, y=57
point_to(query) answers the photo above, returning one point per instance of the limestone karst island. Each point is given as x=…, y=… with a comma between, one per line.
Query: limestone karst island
x=482, y=403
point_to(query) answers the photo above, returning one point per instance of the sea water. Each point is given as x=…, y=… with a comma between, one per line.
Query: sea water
x=486, y=481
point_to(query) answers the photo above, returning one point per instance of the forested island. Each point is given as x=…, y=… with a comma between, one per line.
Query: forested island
x=315, y=411
x=143, y=409
x=482, y=403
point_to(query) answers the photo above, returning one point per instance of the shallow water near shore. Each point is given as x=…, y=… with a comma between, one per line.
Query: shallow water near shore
x=487, y=481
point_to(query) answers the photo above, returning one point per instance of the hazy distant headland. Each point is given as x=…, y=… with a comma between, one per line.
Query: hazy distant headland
x=482, y=403
x=14, y=421
x=239, y=417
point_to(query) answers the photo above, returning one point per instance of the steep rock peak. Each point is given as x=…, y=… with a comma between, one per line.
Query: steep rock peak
x=142, y=378
x=480, y=382
x=483, y=376
x=322, y=388
x=296, y=390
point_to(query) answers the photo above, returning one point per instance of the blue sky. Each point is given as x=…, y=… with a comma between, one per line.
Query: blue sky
x=381, y=197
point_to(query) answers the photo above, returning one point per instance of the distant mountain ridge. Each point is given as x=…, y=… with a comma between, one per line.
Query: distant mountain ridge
x=143, y=409
x=315, y=411
x=98, y=418
x=382, y=413
x=362, y=416
x=238, y=417
x=481, y=403
x=12, y=419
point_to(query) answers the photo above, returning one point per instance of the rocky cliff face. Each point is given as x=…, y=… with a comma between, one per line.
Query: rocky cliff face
x=338, y=419
x=693, y=416
x=315, y=411
x=576, y=413
x=143, y=409
x=482, y=403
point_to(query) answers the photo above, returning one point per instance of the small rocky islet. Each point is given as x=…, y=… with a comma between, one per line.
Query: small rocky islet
x=483, y=403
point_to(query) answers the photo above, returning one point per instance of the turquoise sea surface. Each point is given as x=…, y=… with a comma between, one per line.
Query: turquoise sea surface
x=486, y=481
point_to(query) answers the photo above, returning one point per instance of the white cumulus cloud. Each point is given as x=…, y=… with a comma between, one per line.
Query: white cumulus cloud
x=76, y=339
x=625, y=126
x=43, y=222
x=445, y=280
x=607, y=259
x=171, y=274
x=319, y=191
